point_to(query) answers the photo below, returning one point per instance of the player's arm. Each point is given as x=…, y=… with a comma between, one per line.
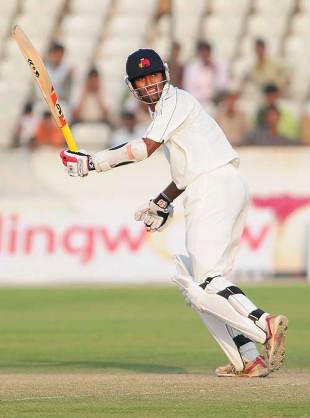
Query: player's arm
x=80, y=163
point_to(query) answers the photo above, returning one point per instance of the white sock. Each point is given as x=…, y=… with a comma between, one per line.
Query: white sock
x=248, y=351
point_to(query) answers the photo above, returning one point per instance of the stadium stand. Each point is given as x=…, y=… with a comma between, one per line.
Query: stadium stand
x=94, y=136
x=102, y=33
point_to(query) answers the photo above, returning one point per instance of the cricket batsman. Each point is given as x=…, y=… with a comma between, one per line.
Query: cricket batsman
x=204, y=168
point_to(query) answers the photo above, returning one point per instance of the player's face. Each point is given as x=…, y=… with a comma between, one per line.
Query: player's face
x=150, y=87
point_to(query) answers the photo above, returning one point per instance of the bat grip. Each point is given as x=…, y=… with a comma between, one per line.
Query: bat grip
x=66, y=131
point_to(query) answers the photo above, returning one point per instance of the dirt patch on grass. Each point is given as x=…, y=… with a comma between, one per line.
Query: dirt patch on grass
x=286, y=385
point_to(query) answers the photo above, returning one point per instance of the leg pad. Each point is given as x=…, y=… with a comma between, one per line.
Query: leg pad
x=229, y=291
x=255, y=315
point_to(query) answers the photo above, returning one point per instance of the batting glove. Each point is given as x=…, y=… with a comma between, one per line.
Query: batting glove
x=156, y=213
x=78, y=164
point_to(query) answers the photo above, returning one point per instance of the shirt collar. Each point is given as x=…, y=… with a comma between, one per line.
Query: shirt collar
x=168, y=91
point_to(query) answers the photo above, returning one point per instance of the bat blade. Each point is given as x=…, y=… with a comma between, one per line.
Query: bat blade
x=43, y=80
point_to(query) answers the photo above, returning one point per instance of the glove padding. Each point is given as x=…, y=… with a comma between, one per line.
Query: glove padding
x=155, y=214
x=78, y=164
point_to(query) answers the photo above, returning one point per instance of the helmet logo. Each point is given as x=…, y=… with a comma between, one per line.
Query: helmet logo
x=144, y=63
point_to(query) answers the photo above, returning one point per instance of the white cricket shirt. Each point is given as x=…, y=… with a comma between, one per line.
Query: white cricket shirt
x=193, y=142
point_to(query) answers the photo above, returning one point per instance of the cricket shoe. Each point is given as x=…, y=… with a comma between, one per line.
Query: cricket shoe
x=275, y=344
x=256, y=368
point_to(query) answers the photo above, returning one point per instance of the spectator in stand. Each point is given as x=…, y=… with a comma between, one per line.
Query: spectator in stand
x=26, y=127
x=305, y=127
x=234, y=121
x=140, y=109
x=266, y=70
x=204, y=77
x=142, y=114
x=130, y=129
x=47, y=132
x=164, y=7
x=89, y=105
x=59, y=71
x=175, y=66
x=288, y=124
x=268, y=134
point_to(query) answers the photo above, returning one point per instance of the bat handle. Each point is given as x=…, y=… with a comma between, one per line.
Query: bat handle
x=66, y=131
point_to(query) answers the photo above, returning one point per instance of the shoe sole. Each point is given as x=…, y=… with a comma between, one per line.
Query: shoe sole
x=255, y=373
x=264, y=374
x=260, y=374
x=277, y=343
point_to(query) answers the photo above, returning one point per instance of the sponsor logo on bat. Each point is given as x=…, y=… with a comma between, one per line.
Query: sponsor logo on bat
x=58, y=107
x=33, y=68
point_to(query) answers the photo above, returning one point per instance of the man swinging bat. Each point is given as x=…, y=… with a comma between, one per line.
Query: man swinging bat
x=204, y=167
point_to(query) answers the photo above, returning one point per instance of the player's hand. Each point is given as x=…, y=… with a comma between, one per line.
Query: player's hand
x=78, y=164
x=155, y=214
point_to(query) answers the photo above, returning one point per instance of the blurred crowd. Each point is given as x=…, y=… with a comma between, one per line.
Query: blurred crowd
x=266, y=121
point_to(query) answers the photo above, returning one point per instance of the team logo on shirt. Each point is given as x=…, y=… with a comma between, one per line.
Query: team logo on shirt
x=144, y=63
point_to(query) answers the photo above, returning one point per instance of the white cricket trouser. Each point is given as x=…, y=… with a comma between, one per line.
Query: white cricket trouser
x=215, y=208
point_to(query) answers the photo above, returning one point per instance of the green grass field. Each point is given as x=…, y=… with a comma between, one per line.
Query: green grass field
x=86, y=352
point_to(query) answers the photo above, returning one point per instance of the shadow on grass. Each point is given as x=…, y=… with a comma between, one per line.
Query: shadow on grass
x=99, y=365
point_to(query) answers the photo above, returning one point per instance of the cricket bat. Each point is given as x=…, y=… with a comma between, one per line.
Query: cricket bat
x=42, y=77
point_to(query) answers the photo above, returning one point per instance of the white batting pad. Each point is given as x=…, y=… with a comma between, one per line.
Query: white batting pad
x=220, y=307
x=219, y=332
